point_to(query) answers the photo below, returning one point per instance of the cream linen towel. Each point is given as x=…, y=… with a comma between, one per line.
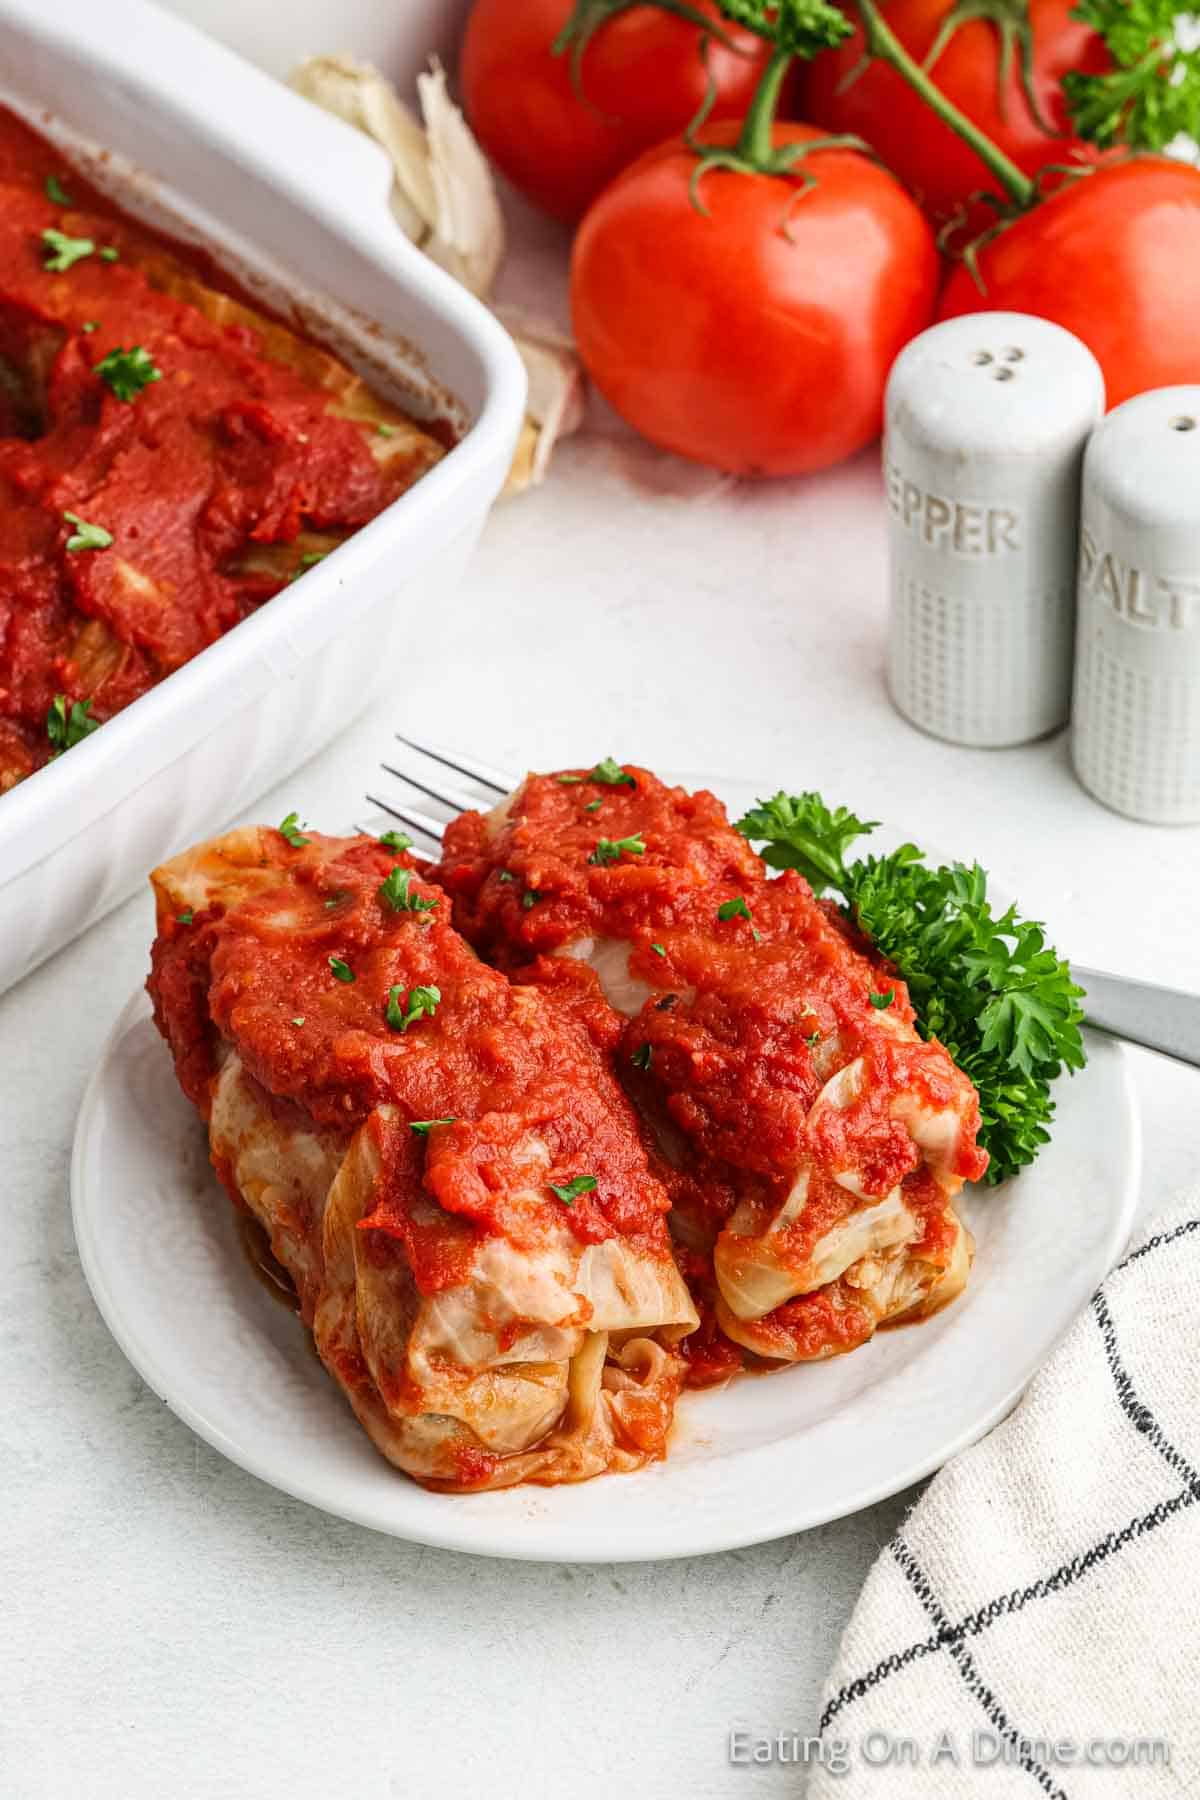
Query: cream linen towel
x=1034, y=1626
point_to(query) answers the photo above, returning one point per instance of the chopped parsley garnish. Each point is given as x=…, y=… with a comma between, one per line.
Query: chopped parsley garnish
x=593, y=806
x=582, y=1184
x=879, y=1001
x=127, y=372
x=384, y=430
x=185, y=918
x=309, y=560
x=611, y=774
x=989, y=988
x=61, y=252
x=341, y=970
x=530, y=897
x=813, y=1039
x=419, y=1003
x=506, y=875
x=568, y=780
x=85, y=536
x=423, y=1127
x=397, y=841
x=108, y=254
x=55, y=191
x=299, y=1019
x=293, y=831
x=609, y=849
x=90, y=325
x=394, y=892
x=733, y=909
x=641, y=1056
x=66, y=727
x=658, y=949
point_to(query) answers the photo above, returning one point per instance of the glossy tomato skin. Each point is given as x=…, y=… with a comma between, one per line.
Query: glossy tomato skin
x=933, y=161
x=757, y=338
x=643, y=79
x=1115, y=257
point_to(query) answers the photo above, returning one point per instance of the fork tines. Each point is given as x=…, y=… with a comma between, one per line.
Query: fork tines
x=421, y=773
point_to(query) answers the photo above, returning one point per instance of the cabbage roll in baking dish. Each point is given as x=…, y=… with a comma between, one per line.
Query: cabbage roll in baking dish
x=441, y=1161
x=812, y=1142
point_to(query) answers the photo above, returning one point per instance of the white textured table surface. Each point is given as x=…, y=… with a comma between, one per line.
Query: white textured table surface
x=174, y=1628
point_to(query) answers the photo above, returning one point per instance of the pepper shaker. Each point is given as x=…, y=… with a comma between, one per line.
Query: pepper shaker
x=1136, y=719
x=987, y=419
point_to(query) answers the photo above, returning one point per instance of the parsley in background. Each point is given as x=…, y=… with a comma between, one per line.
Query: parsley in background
x=990, y=989
x=1152, y=94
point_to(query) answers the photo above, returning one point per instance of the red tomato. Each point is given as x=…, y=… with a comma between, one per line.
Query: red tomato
x=1115, y=257
x=757, y=338
x=927, y=156
x=643, y=79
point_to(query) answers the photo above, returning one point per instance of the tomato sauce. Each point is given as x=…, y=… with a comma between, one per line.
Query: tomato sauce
x=230, y=448
x=301, y=977
x=758, y=995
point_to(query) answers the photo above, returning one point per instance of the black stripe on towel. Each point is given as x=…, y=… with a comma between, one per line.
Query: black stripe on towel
x=1157, y=1242
x=972, y=1680
x=1135, y=1409
x=1065, y=1576
x=1067, y=1573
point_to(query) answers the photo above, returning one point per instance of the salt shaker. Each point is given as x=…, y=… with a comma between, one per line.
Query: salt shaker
x=1136, y=715
x=987, y=419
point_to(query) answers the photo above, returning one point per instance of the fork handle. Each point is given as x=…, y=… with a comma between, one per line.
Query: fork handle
x=1160, y=1018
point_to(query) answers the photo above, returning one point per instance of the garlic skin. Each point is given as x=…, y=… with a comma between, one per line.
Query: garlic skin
x=557, y=393
x=443, y=195
x=444, y=198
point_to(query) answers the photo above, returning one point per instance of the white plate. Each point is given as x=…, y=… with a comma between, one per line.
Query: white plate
x=761, y=1458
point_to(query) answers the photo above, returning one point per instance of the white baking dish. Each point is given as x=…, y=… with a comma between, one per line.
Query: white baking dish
x=296, y=204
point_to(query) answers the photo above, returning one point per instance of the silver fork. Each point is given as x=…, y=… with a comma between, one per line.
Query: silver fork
x=1158, y=1018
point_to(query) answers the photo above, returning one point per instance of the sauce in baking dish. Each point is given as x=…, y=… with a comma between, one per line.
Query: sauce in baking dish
x=170, y=458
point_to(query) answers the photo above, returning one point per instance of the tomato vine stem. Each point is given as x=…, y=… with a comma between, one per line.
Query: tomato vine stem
x=754, y=145
x=883, y=44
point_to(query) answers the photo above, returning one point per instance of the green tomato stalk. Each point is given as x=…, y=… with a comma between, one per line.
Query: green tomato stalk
x=803, y=28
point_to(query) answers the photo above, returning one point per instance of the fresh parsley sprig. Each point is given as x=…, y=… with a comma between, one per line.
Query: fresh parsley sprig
x=989, y=988
x=1151, y=95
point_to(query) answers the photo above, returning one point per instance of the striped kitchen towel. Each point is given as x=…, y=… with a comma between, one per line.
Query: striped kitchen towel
x=1034, y=1625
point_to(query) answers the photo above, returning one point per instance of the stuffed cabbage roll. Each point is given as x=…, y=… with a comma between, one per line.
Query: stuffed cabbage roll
x=440, y=1161
x=813, y=1143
